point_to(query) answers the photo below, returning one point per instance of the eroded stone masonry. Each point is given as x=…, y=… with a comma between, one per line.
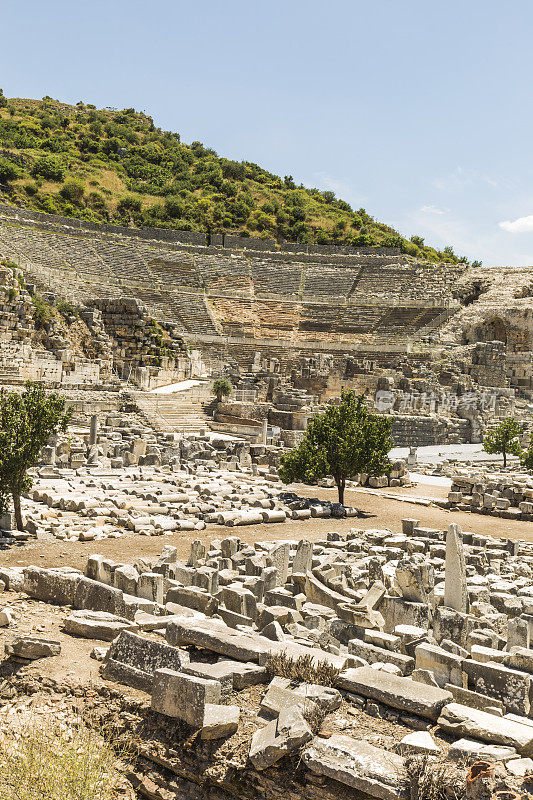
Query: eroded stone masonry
x=245, y=638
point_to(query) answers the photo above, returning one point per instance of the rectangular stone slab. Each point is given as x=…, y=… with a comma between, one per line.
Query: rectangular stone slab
x=472, y=723
x=372, y=653
x=183, y=696
x=511, y=686
x=358, y=764
x=395, y=691
x=215, y=636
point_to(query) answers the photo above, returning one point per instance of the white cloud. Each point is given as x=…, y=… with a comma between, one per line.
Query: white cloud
x=432, y=210
x=520, y=225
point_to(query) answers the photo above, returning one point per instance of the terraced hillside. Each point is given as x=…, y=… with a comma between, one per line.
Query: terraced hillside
x=106, y=165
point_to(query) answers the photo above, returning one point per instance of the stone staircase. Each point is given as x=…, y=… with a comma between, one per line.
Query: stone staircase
x=184, y=412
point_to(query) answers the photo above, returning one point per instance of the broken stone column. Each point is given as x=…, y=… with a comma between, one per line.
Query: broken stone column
x=455, y=591
x=279, y=557
x=93, y=435
x=197, y=553
x=303, y=558
x=518, y=633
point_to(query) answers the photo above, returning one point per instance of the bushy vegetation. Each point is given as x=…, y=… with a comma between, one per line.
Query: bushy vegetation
x=527, y=455
x=44, y=760
x=27, y=421
x=344, y=441
x=221, y=388
x=107, y=165
x=302, y=669
x=504, y=438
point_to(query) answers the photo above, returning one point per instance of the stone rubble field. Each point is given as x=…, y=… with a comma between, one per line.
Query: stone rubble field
x=507, y=495
x=280, y=644
x=154, y=502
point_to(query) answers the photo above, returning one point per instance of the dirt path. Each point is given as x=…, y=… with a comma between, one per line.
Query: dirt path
x=379, y=512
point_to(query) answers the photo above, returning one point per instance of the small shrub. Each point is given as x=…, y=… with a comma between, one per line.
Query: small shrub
x=67, y=309
x=8, y=170
x=43, y=312
x=73, y=191
x=314, y=715
x=11, y=294
x=527, y=456
x=303, y=669
x=221, y=388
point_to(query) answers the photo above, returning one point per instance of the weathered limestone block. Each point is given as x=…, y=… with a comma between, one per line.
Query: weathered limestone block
x=239, y=600
x=374, y=655
x=395, y=691
x=470, y=722
x=133, y=660
x=358, y=764
x=95, y=596
x=418, y=743
x=397, y=611
x=279, y=558
x=150, y=586
x=184, y=697
x=467, y=697
x=32, y=647
x=192, y=597
x=219, y=721
x=125, y=579
x=469, y=750
x=96, y=625
x=415, y=579
x=303, y=557
x=511, y=686
x=446, y=667
x=51, y=585
x=283, y=735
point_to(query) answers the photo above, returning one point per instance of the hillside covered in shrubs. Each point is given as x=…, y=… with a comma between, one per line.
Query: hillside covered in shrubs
x=107, y=165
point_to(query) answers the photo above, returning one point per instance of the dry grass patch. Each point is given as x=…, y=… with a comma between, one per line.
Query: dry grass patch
x=43, y=759
x=304, y=669
x=429, y=779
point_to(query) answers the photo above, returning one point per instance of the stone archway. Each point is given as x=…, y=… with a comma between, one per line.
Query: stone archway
x=493, y=330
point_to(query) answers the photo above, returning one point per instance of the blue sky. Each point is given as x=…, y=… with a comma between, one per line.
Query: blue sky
x=421, y=112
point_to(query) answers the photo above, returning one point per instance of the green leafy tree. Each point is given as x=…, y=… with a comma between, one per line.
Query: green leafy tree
x=343, y=441
x=27, y=421
x=504, y=439
x=221, y=388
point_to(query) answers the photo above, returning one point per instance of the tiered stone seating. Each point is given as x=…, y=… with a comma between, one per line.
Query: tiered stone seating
x=285, y=280
x=207, y=291
x=323, y=281
x=278, y=320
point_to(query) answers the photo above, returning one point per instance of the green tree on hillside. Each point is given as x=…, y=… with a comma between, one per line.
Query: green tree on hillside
x=221, y=388
x=504, y=439
x=343, y=441
x=27, y=421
